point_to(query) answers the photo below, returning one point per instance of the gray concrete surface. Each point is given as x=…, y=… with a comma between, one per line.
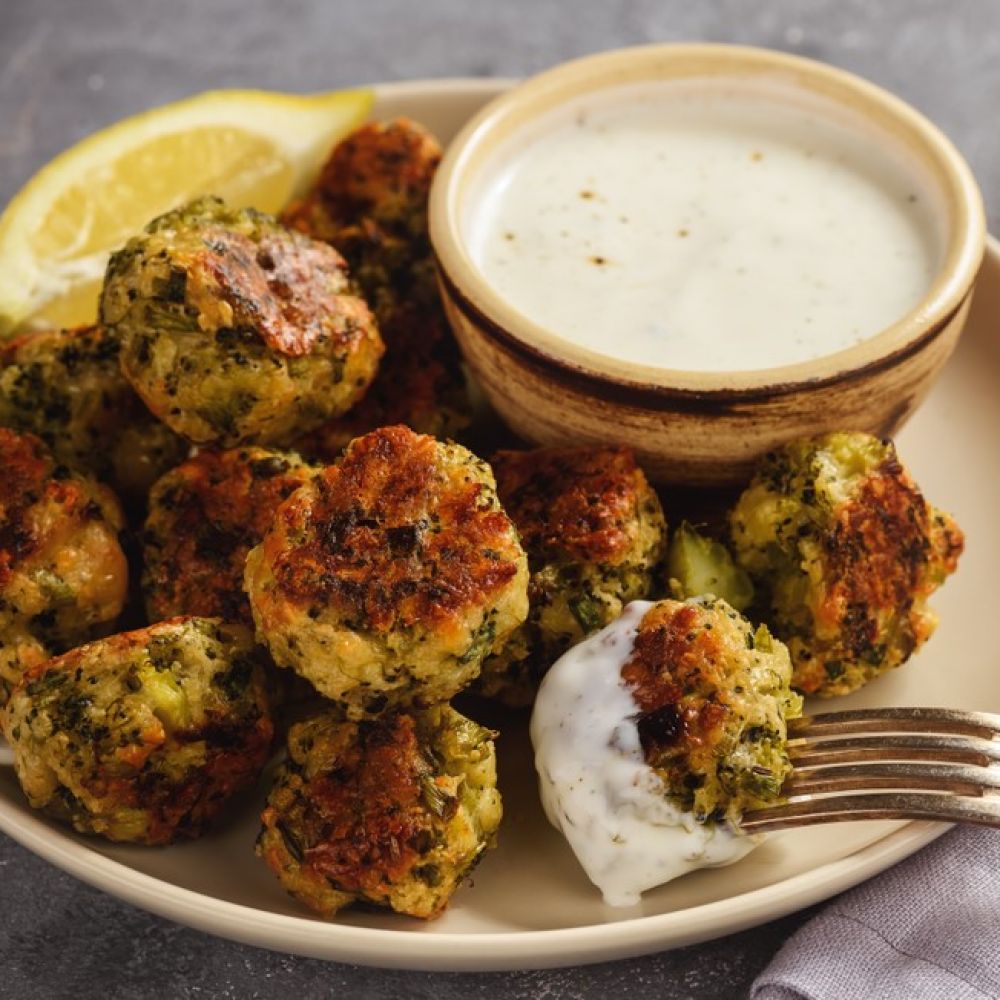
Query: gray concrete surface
x=70, y=66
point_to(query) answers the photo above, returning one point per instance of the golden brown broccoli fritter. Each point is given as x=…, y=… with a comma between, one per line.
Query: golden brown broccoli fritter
x=67, y=387
x=370, y=202
x=594, y=532
x=392, y=813
x=713, y=698
x=845, y=551
x=389, y=577
x=145, y=735
x=235, y=330
x=62, y=571
x=204, y=517
x=381, y=171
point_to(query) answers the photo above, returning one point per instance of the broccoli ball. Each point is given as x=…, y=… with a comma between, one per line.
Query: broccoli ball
x=381, y=171
x=653, y=736
x=388, y=577
x=844, y=551
x=62, y=570
x=393, y=812
x=67, y=387
x=235, y=330
x=370, y=202
x=204, y=517
x=594, y=532
x=713, y=698
x=143, y=736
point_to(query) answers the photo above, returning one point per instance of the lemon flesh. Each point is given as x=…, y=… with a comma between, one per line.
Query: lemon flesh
x=251, y=148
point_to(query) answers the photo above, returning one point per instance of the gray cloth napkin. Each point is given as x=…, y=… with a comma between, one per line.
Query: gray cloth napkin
x=927, y=929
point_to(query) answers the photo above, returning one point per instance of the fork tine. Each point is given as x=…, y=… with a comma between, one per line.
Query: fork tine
x=874, y=805
x=893, y=746
x=889, y=763
x=896, y=720
x=960, y=779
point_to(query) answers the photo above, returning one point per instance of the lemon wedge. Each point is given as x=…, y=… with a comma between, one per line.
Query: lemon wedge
x=251, y=148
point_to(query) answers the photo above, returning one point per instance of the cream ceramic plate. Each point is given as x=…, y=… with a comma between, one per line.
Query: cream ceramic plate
x=530, y=904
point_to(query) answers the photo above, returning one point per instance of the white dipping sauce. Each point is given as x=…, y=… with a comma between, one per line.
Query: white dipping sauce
x=595, y=786
x=705, y=225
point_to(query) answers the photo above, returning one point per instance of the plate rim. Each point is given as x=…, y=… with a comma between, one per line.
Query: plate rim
x=451, y=951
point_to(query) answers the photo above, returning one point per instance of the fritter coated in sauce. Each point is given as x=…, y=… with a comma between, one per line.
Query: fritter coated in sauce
x=713, y=698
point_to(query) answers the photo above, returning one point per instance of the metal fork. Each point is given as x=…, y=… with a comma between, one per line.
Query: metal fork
x=888, y=763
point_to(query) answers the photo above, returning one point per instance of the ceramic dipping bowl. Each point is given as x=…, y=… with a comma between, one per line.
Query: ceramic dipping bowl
x=701, y=428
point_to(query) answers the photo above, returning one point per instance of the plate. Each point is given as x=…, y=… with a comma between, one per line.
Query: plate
x=529, y=904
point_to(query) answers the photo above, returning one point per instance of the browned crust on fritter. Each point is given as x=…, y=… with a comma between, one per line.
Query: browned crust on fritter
x=885, y=554
x=205, y=516
x=370, y=200
x=572, y=503
x=379, y=165
x=285, y=287
x=877, y=553
x=388, y=542
x=676, y=674
x=362, y=823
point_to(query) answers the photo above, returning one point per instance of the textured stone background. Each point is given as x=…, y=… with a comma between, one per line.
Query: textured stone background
x=70, y=66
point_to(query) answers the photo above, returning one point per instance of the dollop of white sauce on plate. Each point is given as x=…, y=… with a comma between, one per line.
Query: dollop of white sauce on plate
x=596, y=787
x=705, y=225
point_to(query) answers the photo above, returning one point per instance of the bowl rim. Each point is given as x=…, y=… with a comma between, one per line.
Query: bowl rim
x=627, y=381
